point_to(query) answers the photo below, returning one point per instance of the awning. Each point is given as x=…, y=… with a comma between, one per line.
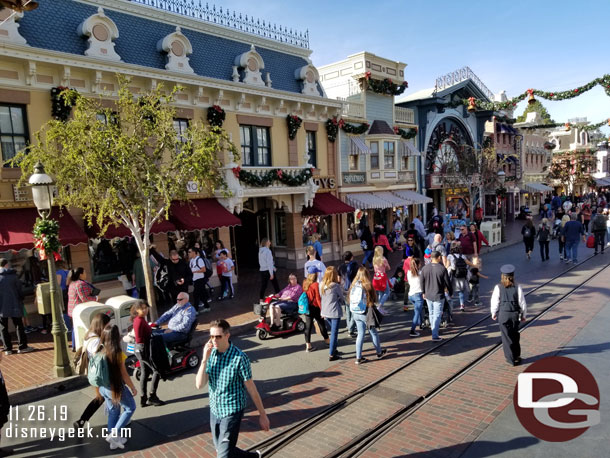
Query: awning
x=201, y=214
x=365, y=200
x=602, y=181
x=357, y=146
x=122, y=230
x=406, y=148
x=413, y=197
x=537, y=187
x=16, y=225
x=326, y=204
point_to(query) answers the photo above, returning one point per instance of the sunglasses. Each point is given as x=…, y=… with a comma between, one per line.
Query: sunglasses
x=220, y=336
x=180, y=299
x=175, y=259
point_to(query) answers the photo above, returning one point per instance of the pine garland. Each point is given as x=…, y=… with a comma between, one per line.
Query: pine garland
x=405, y=134
x=216, y=116
x=568, y=126
x=385, y=86
x=294, y=123
x=46, y=238
x=273, y=175
x=353, y=128
x=332, y=129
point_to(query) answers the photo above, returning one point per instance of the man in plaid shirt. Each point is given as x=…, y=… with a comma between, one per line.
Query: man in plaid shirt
x=228, y=371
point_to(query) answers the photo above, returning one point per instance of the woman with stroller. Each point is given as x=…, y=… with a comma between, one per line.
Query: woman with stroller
x=121, y=391
x=362, y=298
x=380, y=279
x=332, y=310
x=143, y=333
x=415, y=295
x=312, y=289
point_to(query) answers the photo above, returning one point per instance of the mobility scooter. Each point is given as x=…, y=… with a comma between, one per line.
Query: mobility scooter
x=291, y=321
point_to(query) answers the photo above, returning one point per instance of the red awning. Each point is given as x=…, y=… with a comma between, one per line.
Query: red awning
x=122, y=230
x=326, y=204
x=201, y=214
x=16, y=225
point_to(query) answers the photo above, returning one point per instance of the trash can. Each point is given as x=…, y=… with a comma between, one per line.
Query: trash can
x=43, y=298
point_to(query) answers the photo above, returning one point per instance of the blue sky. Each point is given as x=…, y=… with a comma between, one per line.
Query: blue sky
x=542, y=44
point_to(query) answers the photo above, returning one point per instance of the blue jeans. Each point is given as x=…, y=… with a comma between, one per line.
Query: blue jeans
x=572, y=247
x=368, y=257
x=174, y=336
x=334, y=334
x=360, y=319
x=116, y=419
x=225, y=432
x=418, y=304
x=349, y=320
x=435, y=309
x=382, y=296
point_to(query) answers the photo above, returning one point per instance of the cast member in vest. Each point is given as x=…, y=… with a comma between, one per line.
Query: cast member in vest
x=508, y=307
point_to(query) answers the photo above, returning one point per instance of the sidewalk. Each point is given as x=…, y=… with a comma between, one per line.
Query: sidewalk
x=29, y=376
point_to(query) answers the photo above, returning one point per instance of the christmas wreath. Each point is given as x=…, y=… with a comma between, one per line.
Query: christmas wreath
x=385, y=86
x=357, y=129
x=405, y=134
x=46, y=238
x=273, y=175
x=294, y=123
x=332, y=129
x=216, y=116
x=501, y=192
x=60, y=106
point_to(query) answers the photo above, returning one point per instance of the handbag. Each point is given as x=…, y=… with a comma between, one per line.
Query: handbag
x=94, y=291
x=373, y=317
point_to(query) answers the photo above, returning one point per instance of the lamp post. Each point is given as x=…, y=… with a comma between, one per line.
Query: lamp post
x=42, y=192
x=502, y=180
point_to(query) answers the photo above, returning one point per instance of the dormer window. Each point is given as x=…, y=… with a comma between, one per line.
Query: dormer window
x=251, y=63
x=101, y=32
x=177, y=47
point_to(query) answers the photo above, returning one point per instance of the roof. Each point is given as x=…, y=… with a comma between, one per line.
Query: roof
x=53, y=26
x=381, y=128
x=467, y=87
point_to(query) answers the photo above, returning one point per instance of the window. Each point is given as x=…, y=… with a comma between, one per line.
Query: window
x=180, y=126
x=311, y=148
x=374, y=155
x=13, y=131
x=280, y=229
x=255, y=148
x=353, y=162
x=388, y=155
x=405, y=162
x=316, y=225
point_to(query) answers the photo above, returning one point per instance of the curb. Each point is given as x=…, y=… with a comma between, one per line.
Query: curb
x=74, y=382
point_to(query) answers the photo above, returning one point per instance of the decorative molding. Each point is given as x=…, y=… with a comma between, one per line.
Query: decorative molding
x=254, y=120
x=65, y=77
x=30, y=74
x=311, y=126
x=101, y=32
x=310, y=77
x=251, y=64
x=178, y=48
x=14, y=96
x=9, y=29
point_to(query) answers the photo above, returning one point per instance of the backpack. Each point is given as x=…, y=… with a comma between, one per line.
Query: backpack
x=591, y=241
x=357, y=299
x=81, y=360
x=303, y=303
x=599, y=223
x=380, y=281
x=461, y=268
x=98, y=373
x=208, y=266
x=527, y=233
x=543, y=234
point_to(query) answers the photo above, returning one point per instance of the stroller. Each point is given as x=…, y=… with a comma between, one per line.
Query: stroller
x=445, y=316
x=556, y=229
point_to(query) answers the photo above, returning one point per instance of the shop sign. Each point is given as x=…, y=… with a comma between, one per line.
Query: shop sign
x=326, y=182
x=354, y=178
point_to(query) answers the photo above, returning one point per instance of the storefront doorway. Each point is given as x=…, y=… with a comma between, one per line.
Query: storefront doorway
x=254, y=227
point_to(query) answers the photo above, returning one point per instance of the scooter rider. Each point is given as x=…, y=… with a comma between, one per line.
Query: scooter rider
x=181, y=317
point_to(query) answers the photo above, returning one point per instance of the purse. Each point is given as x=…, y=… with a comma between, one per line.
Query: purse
x=94, y=291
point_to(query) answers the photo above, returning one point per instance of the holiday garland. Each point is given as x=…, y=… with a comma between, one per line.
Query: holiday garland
x=353, y=128
x=332, y=129
x=405, y=134
x=46, y=238
x=60, y=107
x=473, y=103
x=216, y=116
x=568, y=126
x=385, y=86
x=267, y=179
x=294, y=123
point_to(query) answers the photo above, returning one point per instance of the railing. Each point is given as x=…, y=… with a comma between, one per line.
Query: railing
x=406, y=115
x=262, y=171
x=353, y=109
x=460, y=75
x=406, y=176
x=230, y=20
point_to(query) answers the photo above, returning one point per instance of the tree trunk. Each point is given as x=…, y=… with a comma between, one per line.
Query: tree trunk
x=143, y=244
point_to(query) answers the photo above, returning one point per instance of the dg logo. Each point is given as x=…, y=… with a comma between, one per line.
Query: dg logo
x=557, y=399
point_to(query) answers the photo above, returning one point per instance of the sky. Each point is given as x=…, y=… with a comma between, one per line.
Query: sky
x=513, y=46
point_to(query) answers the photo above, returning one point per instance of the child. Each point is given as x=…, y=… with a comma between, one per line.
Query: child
x=397, y=283
x=475, y=273
x=226, y=279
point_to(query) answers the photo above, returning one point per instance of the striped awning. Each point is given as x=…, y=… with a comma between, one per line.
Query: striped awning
x=357, y=146
x=412, y=197
x=406, y=148
x=366, y=200
x=392, y=198
x=602, y=181
x=537, y=187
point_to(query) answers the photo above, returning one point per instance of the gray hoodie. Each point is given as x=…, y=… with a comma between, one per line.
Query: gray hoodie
x=332, y=300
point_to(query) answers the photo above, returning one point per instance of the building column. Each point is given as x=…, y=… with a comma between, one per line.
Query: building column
x=294, y=240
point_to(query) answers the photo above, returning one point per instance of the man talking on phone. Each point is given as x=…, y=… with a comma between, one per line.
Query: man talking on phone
x=228, y=371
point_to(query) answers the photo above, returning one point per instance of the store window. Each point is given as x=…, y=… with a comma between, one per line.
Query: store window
x=13, y=131
x=316, y=225
x=389, y=153
x=353, y=162
x=281, y=234
x=311, y=148
x=255, y=147
x=374, y=155
x=352, y=227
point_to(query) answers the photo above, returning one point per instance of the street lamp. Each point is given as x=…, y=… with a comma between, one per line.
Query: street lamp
x=42, y=192
x=502, y=180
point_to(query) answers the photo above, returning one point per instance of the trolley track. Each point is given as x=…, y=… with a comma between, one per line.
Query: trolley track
x=361, y=441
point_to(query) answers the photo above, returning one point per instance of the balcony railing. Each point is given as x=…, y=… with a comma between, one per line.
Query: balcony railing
x=404, y=115
x=262, y=171
x=353, y=109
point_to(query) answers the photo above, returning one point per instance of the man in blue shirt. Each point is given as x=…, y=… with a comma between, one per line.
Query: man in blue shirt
x=228, y=371
x=572, y=232
x=181, y=317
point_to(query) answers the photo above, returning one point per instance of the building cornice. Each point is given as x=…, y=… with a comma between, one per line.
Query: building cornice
x=186, y=22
